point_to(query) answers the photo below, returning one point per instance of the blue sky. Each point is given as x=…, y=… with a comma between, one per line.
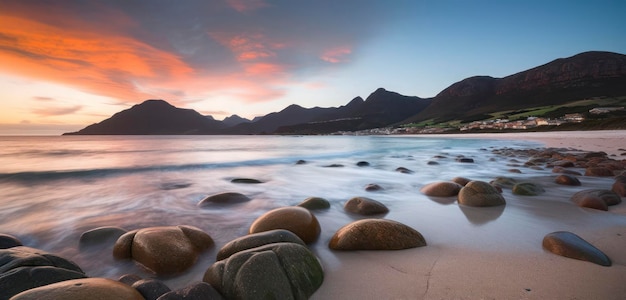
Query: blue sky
x=68, y=64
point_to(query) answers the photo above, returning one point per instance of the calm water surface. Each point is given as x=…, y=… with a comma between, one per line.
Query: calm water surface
x=55, y=188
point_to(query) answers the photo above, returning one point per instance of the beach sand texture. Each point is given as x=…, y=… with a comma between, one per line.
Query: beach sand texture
x=496, y=253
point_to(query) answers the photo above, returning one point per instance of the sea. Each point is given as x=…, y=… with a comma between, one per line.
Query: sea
x=54, y=188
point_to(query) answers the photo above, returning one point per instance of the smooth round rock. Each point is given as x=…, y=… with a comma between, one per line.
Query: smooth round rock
x=22, y=256
x=598, y=171
x=21, y=279
x=9, y=241
x=570, y=245
x=362, y=164
x=163, y=250
x=314, y=203
x=372, y=187
x=246, y=180
x=461, y=180
x=376, y=234
x=273, y=271
x=441, y=189
x=505, y=182
x=465, y=160
x=404, y=170
x=151, y=289
x=100, y=235
x=258, y=239
x=566, y=179
x=527, y=189
x=365, y=206
x=607, y=196
x=82, y=289
x=296, y=219
x=619, y=186
x=223, y=198
x=480, y=193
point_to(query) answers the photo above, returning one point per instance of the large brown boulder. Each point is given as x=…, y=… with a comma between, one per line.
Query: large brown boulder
x=82, y=289
x=480, y=193
x=566, y=179
x=441, y=189
x=258, y=239
x=571, y=245
x=376, y=234
x=273, y=271
x=296, y=219
x=598, y=171
x=365, y=206
x=314, y=203
x=596, y=198
x=163, y=250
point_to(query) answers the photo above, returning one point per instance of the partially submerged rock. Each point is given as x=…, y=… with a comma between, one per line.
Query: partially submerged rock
x=527, y=189
x=567, y=179
x=100, y=235
x=480, y=193
x=596, y=198
x=376, y=234
x=441, y=189
x=571, y=245
x=365, y=206
x=9, y=241
x=223, y=198
x=313, y=203
x=296, y=219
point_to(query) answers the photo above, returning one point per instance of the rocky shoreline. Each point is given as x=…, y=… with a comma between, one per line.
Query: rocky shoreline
x=274, y=261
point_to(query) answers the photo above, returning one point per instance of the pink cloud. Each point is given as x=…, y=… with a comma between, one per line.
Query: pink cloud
x=244, y=6
x=56, y=111
x=336, y=55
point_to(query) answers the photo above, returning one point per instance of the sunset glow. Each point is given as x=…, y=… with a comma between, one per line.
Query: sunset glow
x=72, y=63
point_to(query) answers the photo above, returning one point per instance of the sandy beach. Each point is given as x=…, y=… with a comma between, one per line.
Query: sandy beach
x=491, y=253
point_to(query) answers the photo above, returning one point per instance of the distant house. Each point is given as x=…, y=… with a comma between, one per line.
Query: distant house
x=604, y=110
x=574, y=118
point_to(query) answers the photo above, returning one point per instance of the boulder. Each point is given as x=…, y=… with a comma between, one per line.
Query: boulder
x=372, y=187
x=404, y=170
x=246, y=180
x=619, y=186
x=256, y=240
x=365, y=206
x=296, y=219
x=598, y=171
x=129, y=279
x=273, y=271
x=461, y=180
x=376, y=234
x=196, y=291
x=465, y=160
x=22, y=256
x=363, y=164
x=151, y=289
x=480, y=193
x=223, y=198
x=594, y=198
x=566, y=179
x=571, y=245
x=565, y=171
x=82, y=289
x=163, y=250
x=314, y=203
x=9, y=241
x=441, y=189
x=505, y=182
x=100, y=235
x=21, y=279
x=527, y=189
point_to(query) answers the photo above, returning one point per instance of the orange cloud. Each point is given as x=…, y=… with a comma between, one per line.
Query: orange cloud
x=336, y=55
x=107, y=65
x=56, y=111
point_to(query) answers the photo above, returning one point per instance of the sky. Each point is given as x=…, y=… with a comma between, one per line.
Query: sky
x=67, y=64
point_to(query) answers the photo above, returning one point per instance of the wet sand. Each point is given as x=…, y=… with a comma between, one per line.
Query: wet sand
x=496, y=253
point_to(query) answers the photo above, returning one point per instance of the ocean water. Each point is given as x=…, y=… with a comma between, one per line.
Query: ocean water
x=52, y=189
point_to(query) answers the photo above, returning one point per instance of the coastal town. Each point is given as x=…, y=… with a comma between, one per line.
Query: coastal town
x=492, y=124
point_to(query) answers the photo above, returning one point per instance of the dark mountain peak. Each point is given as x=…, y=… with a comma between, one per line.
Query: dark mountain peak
x=154, y=117
x=355, y=102
x=293, y=107
x=234, y=120
x=475, y=85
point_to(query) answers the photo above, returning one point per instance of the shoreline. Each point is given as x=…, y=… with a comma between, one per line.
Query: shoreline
x=499, y=259
x=609, y=141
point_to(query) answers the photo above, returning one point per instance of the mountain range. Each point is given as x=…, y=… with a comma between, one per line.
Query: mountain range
x=564, y=80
